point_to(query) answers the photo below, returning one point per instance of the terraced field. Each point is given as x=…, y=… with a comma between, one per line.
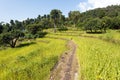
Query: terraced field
x=98, y=59
x=32, y=60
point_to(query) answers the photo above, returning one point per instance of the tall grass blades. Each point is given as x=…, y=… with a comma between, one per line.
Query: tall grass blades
x=31, y=60
x=99, y=60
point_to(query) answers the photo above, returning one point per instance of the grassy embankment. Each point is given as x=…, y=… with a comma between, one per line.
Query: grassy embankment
x=32, y=60
x=98, y=59
x=111, y=35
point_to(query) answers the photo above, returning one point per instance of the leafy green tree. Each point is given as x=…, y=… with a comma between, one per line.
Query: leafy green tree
x=55, y=17
x=7, y=27
x=89, y=26
x=48, y=17
x=12, y=23
x=1, y=28
x=100, y=13
x=12, y=32
x=34, y=28
x=11, y=37
x=62, y=19
x=115, y=23
x=106, y=23
x=94, y=25
x=19, y=25
x=45, y=24
x=74, y=17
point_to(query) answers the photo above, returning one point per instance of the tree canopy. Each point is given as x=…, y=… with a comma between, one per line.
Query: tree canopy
x=96, y=20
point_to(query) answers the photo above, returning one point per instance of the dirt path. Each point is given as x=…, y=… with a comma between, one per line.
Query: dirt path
x=67, y=66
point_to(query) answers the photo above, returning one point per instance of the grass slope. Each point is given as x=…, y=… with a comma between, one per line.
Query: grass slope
x=99, y=60
x=30, y=61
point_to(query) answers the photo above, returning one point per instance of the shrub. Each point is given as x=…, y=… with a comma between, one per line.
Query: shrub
x=62, y=28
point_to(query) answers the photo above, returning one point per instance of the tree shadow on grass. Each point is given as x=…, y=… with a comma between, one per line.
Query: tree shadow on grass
x=95, y=32
x=25, y=44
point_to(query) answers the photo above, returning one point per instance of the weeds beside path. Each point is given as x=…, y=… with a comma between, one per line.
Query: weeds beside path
x=66, y=68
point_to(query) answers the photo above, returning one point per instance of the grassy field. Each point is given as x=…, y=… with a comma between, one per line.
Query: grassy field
x=98, y=59
x=32, y=60
x=111, y=34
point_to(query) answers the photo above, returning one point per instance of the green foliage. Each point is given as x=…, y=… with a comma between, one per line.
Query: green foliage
x=45, y=24
x=62, y=28
x=29, y=36
x=94, y=25
x=115, y=23
x=34, y=28
x=80, y=25
x=74, y=16
x=11, y=37
x=55, y=17
x=1, y=28
x=11, y=33
x=40, y=34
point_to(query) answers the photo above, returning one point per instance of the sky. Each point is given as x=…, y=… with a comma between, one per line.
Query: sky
x=23, y=9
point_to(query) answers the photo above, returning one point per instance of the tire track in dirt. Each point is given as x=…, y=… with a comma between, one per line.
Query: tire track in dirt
x=67, y=66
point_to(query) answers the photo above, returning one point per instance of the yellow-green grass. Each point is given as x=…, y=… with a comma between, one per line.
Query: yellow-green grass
x=32, y=60
x=98, y=60
x=110, y=34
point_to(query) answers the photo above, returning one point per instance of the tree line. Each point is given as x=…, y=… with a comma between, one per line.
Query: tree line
x=100, y=19
x=97, y=20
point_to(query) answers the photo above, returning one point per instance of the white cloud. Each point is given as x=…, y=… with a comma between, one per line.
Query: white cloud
x=91, y=4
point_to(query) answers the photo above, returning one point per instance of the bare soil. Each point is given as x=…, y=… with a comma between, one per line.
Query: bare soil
x=67, y=66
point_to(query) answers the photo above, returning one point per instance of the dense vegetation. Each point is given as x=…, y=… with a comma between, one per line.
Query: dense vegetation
x=93, y=21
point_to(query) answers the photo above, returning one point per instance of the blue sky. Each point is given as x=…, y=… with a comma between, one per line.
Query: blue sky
x=22, y=9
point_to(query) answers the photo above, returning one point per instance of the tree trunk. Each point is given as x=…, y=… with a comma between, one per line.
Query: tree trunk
x=13, y=43
x=54, y=28
x=105, y=30
x=91, y=30
x=74, y=25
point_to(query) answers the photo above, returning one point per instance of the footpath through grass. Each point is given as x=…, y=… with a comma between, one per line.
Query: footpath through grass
x=98, y=59
x=32, y=60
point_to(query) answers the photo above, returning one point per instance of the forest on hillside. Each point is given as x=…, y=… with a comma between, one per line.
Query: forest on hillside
x=92, y=21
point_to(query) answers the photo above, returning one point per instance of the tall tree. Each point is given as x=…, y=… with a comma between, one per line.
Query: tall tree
x=74, y=17
x=12, y=34
x=106, y=23
x=93, y=25
x=1, y=28
x=55, y=17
